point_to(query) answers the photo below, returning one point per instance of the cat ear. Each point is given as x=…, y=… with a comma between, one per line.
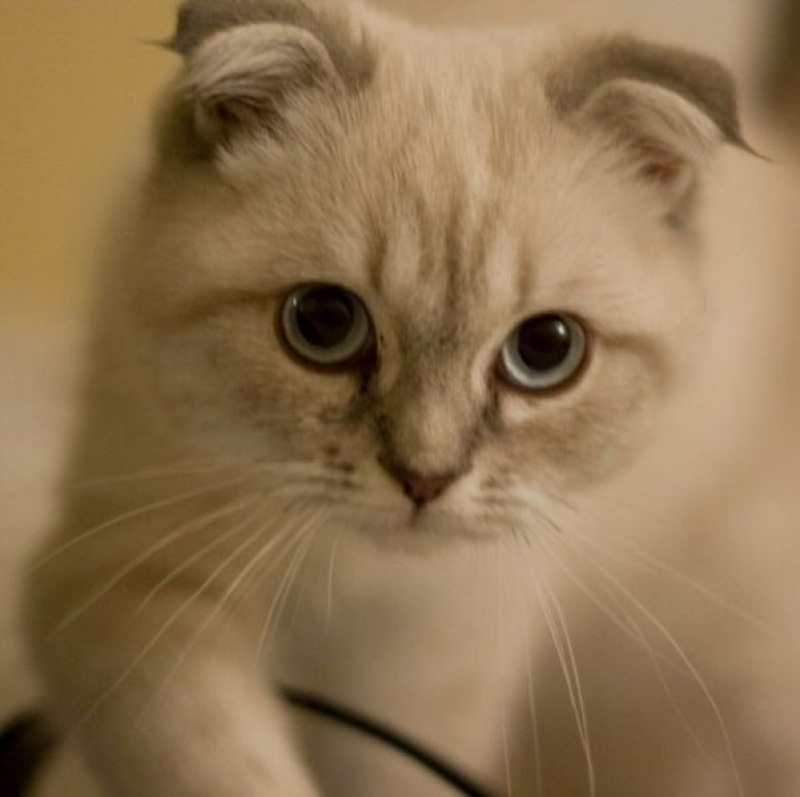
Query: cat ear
x=670, y=108
x=245, y=60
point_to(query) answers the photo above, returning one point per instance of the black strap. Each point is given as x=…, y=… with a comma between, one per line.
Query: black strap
x=24, y=745
x=358, y=722
x=27, y=741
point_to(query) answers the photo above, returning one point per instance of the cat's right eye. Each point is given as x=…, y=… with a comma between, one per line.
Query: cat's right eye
x=326, y=326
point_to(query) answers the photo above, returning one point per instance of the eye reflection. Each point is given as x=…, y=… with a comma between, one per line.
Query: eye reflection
x=543, y=353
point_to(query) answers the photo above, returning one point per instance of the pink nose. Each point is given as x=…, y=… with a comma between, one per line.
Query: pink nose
x=424, y=488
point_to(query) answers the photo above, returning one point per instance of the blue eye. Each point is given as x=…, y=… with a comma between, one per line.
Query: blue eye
x=544, y=352
x=326, y=325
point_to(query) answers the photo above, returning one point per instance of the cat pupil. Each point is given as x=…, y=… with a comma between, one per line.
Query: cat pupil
x=544, y=342
x=325, y=317
x=327, y=326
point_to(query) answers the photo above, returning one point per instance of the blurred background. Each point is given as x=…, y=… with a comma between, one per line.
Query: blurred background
x=77, y=81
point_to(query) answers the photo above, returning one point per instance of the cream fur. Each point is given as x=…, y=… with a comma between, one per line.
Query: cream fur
x=437, y=176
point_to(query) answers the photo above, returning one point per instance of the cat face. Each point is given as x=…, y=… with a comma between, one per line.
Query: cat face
x=434, y=299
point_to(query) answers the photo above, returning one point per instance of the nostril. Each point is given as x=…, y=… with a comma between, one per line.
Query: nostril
x=423, y=488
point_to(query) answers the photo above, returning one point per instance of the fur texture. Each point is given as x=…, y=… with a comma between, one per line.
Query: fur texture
x=458, y=184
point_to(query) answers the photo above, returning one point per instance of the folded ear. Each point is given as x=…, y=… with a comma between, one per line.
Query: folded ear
x=669, y=108
x=246, y=59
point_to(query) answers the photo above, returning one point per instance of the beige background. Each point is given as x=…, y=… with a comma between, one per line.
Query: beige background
x=75, y=79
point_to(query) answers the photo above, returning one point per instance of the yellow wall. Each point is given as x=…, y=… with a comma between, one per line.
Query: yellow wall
x=76, y=79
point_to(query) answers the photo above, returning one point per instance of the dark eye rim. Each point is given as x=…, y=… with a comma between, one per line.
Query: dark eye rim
x=500, y=371
x=364, y=359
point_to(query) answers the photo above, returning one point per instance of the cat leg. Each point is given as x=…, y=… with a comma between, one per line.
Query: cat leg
x=170, y=715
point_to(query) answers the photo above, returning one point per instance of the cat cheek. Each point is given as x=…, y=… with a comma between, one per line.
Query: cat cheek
x=575, y=448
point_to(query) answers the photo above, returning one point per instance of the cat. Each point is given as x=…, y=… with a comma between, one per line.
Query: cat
x=390, y=307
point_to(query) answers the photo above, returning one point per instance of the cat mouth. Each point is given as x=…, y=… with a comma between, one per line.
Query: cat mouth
x=418, y=516
x=436, y=521
x=393, y=521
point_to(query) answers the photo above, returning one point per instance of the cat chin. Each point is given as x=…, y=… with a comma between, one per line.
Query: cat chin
x=410, y=528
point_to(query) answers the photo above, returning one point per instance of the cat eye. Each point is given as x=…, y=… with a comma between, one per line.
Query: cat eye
x=326, y=326
x=544, y=352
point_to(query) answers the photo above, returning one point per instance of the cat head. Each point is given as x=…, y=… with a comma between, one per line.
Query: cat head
x=435, y=277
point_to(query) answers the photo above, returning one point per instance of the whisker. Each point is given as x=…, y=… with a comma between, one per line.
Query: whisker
x=568, y=666
x=188, y=467
x=291, y=571
x=532, y=704
x=501, y=640
x=639, y=558
x=193, y=526
x=329, y=591
x=302, y=587
x=288, y=535
x=583, y=723
x=633, y=630
x=131, y=515
x=177, y=468
x=220, y=605
x=621, y=624
x=154, y=640
x=615, y=504
x=530, y=691
x=688, y=663
x=543, y=518
x=238, y=528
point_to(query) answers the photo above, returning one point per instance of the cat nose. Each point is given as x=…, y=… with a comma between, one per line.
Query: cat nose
x=421, y=487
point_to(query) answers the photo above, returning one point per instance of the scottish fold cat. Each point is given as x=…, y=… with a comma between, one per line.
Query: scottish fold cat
x=390, y=307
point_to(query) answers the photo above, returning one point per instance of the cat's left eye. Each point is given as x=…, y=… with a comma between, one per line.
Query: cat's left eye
x=326, y=326
x=543, y=353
